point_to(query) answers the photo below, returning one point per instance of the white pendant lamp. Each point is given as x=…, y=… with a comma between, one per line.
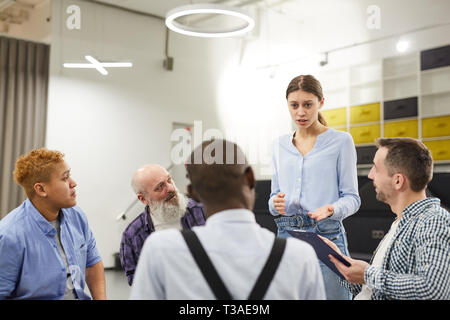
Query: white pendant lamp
x=217, y=9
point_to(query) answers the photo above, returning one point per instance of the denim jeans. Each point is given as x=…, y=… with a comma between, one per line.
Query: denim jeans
x=327, y=228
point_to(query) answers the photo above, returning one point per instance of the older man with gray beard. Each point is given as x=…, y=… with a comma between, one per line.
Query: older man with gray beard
x=165, y=208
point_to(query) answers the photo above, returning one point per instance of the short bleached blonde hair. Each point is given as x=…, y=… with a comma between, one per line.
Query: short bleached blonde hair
x=36, y=166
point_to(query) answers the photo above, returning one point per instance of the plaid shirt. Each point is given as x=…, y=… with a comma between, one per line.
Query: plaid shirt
x=417, y=264
x=141, y=227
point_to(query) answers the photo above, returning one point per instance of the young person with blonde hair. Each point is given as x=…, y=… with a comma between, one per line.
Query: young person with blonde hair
x=46, y=246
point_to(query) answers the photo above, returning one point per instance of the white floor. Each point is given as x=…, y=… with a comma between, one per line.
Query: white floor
x=117, y=287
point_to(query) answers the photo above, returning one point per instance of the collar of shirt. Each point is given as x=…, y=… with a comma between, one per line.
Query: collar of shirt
x=294, y=149
x=42, y=223
x=148, y=221
x=230, y=216
x=417, y=207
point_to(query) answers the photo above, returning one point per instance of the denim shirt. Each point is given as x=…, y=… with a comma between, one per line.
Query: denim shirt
x=325, y=175
x=31, y=266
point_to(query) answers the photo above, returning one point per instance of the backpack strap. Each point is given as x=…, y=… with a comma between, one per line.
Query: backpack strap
x=206, y=267
x=265, y=277
x=215, y=282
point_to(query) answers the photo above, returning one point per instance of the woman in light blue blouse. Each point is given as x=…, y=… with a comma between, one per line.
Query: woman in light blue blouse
x=314, y=182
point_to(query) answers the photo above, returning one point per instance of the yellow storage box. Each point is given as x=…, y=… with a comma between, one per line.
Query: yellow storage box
x=335, y=117
x=436, y=127
x=408, y=128
x=440, y=149
x=365, y=134
x=365, y=113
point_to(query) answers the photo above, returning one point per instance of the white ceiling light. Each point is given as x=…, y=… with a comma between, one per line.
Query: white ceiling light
x=100, y=66
x=97, y=65
x=402, y=46
x=187, y=10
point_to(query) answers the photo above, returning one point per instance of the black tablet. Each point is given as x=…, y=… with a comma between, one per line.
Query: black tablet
x=321, y=248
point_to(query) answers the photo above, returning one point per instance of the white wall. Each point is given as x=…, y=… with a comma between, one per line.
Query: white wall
x=251, y=96
x=110, y=125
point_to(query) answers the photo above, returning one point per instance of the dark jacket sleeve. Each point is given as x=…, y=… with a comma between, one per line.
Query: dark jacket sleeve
x=127, y=258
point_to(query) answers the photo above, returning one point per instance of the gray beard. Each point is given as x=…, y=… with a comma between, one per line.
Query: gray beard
x=163, y=212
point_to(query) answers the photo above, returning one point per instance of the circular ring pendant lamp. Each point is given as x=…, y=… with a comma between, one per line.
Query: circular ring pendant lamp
x=187, y=10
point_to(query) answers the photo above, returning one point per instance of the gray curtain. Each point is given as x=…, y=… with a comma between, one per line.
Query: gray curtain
x=24, y=71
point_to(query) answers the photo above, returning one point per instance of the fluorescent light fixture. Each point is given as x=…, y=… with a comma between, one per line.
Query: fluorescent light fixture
x=117, y=64
x=100, y=66
x=402, y=46
x=182, y=11
x=97, y=65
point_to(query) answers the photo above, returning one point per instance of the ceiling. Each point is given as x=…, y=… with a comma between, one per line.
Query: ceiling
x=15, y=13
x=161, y=7
x=319, y=25
x=322, y=24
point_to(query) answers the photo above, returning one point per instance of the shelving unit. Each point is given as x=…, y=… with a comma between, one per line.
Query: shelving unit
x=403, y=96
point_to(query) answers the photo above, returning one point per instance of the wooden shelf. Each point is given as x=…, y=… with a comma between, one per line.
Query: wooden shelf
x=400, y=119
x=437, y=93
x=365, y=83
x=436, y=138
x=401, y=76
x=404, y=92
x=436, y=70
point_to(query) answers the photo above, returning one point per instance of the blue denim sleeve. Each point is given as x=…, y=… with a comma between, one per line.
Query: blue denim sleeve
x=93, y=256
x=92, y=253
x=10, y=265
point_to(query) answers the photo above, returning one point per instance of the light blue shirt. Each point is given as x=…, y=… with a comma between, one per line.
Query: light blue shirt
x=31, y=266
x=325, y=175
x=238, y=248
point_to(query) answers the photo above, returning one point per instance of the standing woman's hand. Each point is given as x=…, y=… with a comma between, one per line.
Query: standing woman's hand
x=322, y=212
x=279, y=203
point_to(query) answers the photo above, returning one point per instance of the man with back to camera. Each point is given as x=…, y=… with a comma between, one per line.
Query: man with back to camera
x=46, y=246
x=412, y=261
x=237, y=248
x=165, y=208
